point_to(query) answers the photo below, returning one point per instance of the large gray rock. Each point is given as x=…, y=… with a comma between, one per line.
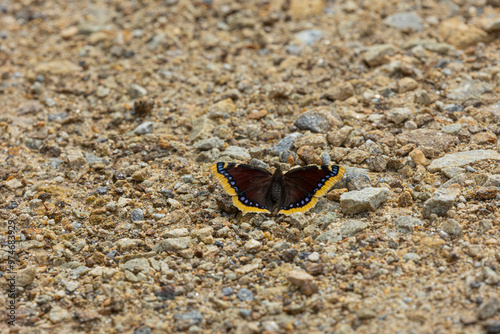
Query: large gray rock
x=143, y=128
x=470, y=89
x=363, y=200
x=354, y=179
x=331, y=236
x=431, y=142
x=286, y=143
x=441, y=201
x=351, y=227
x=399, y=115
x=309, y=37
x=378, y=54
x=318, y=120
x=452, y=227
x=405, y=20
x=237, y=152
x=137, y=265
x=460, y=159
x=208, y=144
x=173, y=244
x=406, y=224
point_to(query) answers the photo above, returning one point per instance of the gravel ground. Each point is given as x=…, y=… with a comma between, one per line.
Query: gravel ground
x=111, y=113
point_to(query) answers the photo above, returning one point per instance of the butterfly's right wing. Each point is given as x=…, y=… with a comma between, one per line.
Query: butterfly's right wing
x=303, y=186
x=246, y=184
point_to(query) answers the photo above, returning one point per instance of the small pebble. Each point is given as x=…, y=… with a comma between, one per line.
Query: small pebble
x=244, y=294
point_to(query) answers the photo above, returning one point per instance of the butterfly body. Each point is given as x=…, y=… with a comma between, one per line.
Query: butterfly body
x=257, y=190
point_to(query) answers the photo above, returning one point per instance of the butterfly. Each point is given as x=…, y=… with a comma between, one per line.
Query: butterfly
x=255, y=189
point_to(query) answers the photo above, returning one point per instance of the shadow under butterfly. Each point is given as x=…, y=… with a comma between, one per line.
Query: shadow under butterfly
x=255, y=189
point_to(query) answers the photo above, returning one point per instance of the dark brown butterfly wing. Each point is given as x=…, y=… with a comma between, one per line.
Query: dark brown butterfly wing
x=303, y=186
x=246, y=184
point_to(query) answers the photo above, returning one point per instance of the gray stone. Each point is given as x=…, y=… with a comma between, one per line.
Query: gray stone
x=452, y=227
x=227, y=291
x=238, y=153
x=142, y=129
x=177, y=233
x=143, y=330
x=377, y=164
x=187, y=178
x=431, y=142
x=325, y=158
x=422, y=97
x=317, y=121
x=351, y=227
x=332, y=236
x=102, y=190
x=191, y=318
x=36, y=88
x=441, y=48
x=245, y=295
x=460, y=159
x=309, y=37
x=411, y=257
x=488, y=308
x=208, y=144
x=366, y=313
x=127, y=244
x=57, y=117
x=451, y=172
x=471, y=89
x=354, y=179
x=378, y=54
x=137, y=265
x=136, y=215
x=245, y=313
x=54, y=163
x=293, y=49
x=270, y=326
x=406, y=224
x=202, y=128
x=26, y=276
x=80, y=270
x=405, y=20
x=70, y=286
x=441, y=201
x=493, y=24
x=75, y=158
x=259, y=163
x=323, y=221
x=490, y=276
x=493, y=181
x=303, y=280
x=452, y=129
x=399, y=115
x=58, y=314
x=253, y=246
x=492, y=327
x=366, y=199
x=92, y=159
x=102, y=91
x=136, y=91
x=173, y=244
x=340, y=92
x=285, y=144
x=167, y=193
x=33, y=143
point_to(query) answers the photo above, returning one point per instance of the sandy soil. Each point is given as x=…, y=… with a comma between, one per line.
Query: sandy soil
x=111, y=113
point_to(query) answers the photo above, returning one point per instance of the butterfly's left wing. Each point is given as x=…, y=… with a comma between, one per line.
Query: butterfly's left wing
x=303, y=186
x=246, y=184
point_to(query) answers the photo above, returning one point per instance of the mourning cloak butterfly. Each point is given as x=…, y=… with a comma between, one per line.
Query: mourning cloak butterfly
x=257, y=190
